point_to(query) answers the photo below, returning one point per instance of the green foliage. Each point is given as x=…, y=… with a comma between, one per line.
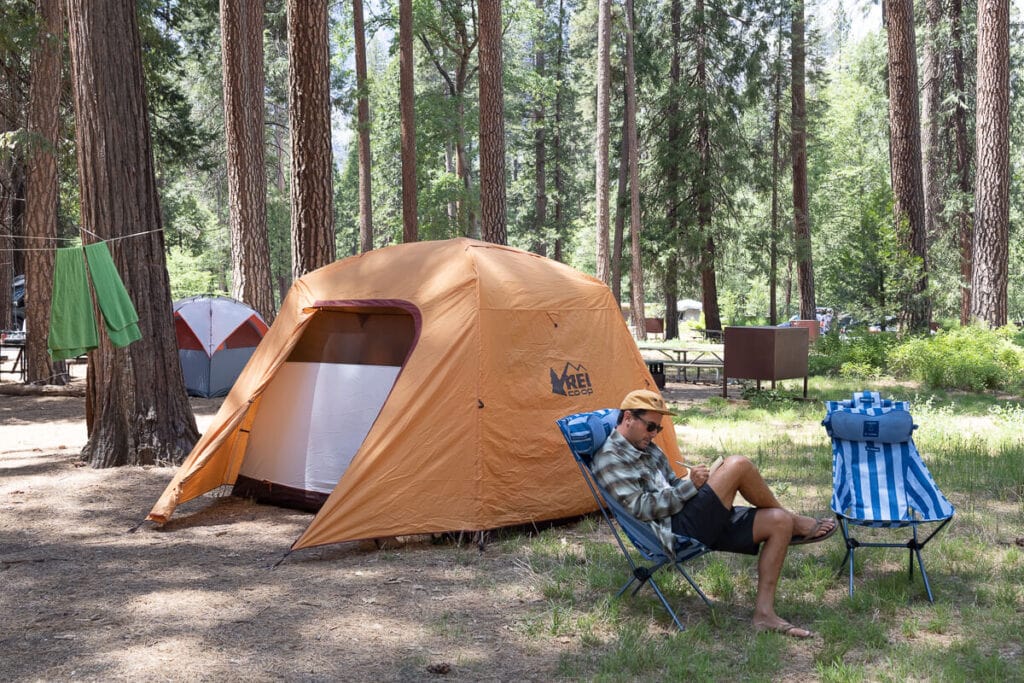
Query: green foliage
x=188, y=276
x=971, y=358
x=854, y=356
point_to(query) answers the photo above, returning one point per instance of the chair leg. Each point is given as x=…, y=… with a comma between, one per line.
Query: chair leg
x=850, y=555
x=693, y=584
x=924, y=575
x=664, y=603
x=851, y=544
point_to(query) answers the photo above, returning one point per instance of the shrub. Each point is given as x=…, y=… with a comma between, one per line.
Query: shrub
x=971, y=358
x=860, y=356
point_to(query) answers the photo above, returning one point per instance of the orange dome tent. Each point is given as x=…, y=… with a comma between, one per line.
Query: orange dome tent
x=414, y=389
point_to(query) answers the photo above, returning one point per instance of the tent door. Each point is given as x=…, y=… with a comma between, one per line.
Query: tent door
x=321, y=404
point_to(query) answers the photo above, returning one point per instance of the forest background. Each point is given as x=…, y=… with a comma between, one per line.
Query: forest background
x=761, y=157
x=549, y=51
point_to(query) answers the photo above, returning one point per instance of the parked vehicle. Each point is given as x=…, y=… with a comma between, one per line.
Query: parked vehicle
x=17, y=302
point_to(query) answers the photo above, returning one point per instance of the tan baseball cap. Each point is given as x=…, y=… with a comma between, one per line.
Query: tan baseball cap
x=645, y=399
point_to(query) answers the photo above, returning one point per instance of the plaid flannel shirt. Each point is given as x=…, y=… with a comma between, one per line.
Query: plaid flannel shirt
x=644, y=483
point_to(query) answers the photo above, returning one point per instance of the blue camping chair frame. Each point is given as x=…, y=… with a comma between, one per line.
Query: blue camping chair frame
x=585, y=433
x=879, y=479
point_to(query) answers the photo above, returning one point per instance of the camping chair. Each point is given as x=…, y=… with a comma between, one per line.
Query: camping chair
x=585, y=433
x=878, y=477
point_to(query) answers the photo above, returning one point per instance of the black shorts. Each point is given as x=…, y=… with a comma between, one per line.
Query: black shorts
x=716, y=526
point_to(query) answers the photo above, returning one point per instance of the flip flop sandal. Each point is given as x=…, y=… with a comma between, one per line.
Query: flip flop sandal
x=787, y=629
x=813, y=537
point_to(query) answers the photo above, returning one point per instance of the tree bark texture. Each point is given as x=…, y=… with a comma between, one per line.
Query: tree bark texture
x=992, y=194
x=492, y=125
x=540, y=194
x=556, y=142
x=241, y=23
x=801, y=217
x=363, y=126
x=702, y=185
x=673, y=173
x=604, y=86
x=932, y=172
x=637, y=269
x=41, y=208
x=621, y=205
x=139, y=413
x=309, y=116
x=905, y=154
x=773, y=236
x=406, y=88
x=962, y=150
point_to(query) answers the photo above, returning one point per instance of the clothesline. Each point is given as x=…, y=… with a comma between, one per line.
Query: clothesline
x=111, y=239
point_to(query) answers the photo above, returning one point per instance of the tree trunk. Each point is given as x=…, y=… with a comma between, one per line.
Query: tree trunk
x=637, y=271
x=621, y=204
x=363, y=126
x=905, y=141
x=241, y=24
x=702, y=189
x=604, y=85
x=406, y=87
x=673, y=174
x=962, y=148
x=492, y=125
x=136, y=397
x=540, y=198
x=41, y=210
x=309, y=114
x=992, y=197
x=773, y=238
x=931, y=152
x=556, y=142
x=801, y=219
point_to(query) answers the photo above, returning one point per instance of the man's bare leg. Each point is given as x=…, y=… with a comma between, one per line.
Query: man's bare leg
x=773, y=527
x=738, y=474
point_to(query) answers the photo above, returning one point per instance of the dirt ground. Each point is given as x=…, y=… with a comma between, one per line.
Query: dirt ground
x=86, y=595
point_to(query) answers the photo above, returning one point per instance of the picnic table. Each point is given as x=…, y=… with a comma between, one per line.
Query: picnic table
x=684, y=358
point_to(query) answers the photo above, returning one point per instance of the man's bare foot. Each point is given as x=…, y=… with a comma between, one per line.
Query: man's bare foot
x=782, y=627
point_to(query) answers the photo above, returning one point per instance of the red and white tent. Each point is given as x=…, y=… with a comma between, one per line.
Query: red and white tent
x=216, y=336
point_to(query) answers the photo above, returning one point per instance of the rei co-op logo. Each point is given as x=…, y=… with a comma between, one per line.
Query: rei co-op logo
x=574, y=381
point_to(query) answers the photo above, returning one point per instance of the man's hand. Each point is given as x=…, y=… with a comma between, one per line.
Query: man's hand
x=699, y=475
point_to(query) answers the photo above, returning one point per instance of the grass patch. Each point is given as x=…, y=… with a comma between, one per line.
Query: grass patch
x=886, y=632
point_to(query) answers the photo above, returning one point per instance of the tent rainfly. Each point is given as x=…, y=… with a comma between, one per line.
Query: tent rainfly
x=216, y=336
x=414, y=389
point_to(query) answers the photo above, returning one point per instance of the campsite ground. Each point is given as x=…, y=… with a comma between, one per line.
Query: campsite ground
x=86, y=597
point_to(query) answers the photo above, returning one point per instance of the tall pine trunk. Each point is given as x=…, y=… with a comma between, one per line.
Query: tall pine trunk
x=932, y=172
x=139, y=414
x=637, y=269
x=962, y=151
x=992, y=197
x=309, y=114
x=41, y=210
x=492, y=125
x=540, y=195
x=406, y=89
x=801, y=218
x=604, y=86
x=241, y=24
x=363, y=126
x=702, y=187
x=905, y=142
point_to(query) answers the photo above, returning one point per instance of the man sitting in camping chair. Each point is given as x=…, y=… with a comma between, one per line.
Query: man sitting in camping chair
x=636, y=472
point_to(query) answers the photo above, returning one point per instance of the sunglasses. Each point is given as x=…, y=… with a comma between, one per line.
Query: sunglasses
x=651, y=426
